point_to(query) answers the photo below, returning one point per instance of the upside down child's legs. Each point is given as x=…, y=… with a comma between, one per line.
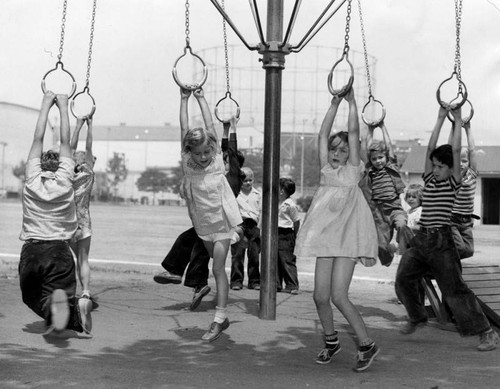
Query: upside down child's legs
x=83, y=268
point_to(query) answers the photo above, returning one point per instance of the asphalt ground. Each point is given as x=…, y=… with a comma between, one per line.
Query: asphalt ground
x=144, y=335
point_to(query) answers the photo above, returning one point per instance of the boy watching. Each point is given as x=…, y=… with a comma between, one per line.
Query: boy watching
x=288, y=228
x=433, y=249
x=249, y=201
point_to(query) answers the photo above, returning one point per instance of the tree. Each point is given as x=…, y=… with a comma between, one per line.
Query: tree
x=255, y=161
x=19, y=171
x=174, y=177
x=118, y=170
x=152, y=180
x=305, y=166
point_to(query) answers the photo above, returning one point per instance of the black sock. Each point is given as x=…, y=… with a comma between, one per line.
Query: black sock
x=367, y=347
x=331, y=341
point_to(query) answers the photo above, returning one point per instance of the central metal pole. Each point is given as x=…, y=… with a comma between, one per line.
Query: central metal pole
x=273, y=62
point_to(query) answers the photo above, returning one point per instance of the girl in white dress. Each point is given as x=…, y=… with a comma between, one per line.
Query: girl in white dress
x=211, y=203
x=339, y=231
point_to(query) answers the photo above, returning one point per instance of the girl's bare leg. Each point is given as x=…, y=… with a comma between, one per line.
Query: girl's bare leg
x=322, y=293
x=342, y=272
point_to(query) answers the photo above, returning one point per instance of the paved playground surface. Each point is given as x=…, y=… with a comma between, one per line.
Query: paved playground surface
x=144, y=336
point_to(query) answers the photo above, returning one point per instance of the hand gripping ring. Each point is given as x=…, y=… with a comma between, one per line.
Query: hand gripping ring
x=345, y=89
x=466, y=119
x=227, y=96
x=72, y=105
x=191, y=87
x=377, y=122
x=462, y=91
x=73, y=86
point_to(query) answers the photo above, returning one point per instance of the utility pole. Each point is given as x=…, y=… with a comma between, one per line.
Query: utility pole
x=3, y=144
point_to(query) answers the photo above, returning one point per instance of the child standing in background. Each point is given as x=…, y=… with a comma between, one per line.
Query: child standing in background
x=82, y=185
x=413, y=198
x=211, y=203
x=288, y=227
x=249, y=202
x=384, y=185
x=339, y=231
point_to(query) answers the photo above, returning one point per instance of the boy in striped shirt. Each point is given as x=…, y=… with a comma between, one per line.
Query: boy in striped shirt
x=433, y=249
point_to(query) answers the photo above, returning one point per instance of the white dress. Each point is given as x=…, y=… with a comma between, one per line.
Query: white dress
x=339, y=222
x=211, y=203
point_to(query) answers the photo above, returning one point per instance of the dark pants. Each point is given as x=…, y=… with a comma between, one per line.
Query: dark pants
x=188, y=251
x=433, y=252
x=287, y=261
x=45, y=266
x=250, y=243
x=461, y=226
x=387, y=218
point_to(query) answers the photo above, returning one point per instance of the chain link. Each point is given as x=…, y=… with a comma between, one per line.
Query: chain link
x=90, y=44
x=63, y=22
x=187, y=23
x=458, y=22
x=347, y=27
x=226, y=57
x=365, y=50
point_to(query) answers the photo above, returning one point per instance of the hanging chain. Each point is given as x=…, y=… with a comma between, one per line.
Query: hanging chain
x=90, y=44
x=226, y=57
x=187, y=23
x=365, y=50
x=458, y=21
x=347, y=27
x=63, y=22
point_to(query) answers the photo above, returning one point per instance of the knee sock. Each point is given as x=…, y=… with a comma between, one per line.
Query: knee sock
x=220, y=314
x=331, y=341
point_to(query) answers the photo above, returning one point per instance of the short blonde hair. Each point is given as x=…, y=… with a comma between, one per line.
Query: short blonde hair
x=196, y=137
x=417, y=189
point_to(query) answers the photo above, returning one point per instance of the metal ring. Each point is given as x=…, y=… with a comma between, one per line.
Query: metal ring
x=73, y=86
x=72, y=105
x=374, y=123
x=345, y=89
x=465, y=120
x=462, y=90
x=191, y=87
x=228, y=95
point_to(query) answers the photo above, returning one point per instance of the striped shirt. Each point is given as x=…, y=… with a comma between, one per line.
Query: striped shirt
x=382, y=186
x=464, y=201
x=437, y=201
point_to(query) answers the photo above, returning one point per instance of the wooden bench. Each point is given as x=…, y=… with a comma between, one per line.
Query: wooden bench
x=483, y=280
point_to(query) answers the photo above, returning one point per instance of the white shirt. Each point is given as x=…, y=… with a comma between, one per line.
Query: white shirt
x=250, y=205
x=288, y=214
x=49, y=210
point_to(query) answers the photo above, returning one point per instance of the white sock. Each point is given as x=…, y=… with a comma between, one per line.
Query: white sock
x=220, y=314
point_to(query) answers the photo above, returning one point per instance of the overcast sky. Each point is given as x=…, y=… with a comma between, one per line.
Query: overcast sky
x=137, y=42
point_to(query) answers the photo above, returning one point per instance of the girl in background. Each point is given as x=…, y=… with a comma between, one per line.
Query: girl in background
x=339, y=231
